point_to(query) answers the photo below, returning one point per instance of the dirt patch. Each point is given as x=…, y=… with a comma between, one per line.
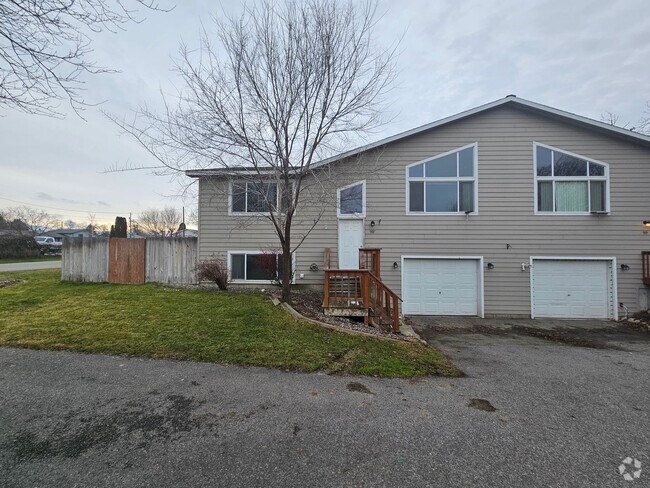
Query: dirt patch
x=480, y=404
x=639, y=321
x=601, y=338
x=564, y=336
x=359, y=388
x=309, y=303
x=7, y=283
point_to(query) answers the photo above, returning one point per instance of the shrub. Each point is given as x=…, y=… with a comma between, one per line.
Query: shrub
x=18, y=247
x=214, y=269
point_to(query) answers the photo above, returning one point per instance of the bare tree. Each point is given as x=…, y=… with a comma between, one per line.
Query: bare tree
x=275, y=91
x=609, y=118
x=644, y=123
x=45, y=48
x=29, y=220
x=163, y=223
x=643, y=127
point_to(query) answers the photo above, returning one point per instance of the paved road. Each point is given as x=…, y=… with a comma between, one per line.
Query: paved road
x=30, y=266
x=566, y=417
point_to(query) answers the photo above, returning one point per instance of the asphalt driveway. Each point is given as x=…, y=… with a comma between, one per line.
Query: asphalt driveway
x=566, y=416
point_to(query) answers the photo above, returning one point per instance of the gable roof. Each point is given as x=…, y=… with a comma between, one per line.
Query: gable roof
x=512, y=100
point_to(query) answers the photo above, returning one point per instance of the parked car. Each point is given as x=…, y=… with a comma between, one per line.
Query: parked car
x=48, y=245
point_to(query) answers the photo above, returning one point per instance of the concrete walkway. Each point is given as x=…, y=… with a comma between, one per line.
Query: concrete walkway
x=30, y=266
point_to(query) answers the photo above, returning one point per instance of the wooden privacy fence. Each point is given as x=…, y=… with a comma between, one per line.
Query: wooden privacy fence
x=118, y=260
x=171, y=260
x=85, y=259
x=126, y=261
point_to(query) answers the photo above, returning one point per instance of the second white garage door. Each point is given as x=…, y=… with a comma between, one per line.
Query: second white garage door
x=573, y=288
x=442, y=286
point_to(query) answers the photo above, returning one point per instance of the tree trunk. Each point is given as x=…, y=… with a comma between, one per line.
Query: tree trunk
x=287, y=271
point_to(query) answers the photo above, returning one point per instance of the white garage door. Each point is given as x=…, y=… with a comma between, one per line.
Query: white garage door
x=572, y=288
x=435, y=286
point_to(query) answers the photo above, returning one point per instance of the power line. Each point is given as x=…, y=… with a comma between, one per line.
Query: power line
x=58, y=208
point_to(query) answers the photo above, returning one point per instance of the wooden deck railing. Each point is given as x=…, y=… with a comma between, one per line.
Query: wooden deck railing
x=369, y=259
x=344, y=288
x=383, y=303
x=360, y=289
x=645, y=262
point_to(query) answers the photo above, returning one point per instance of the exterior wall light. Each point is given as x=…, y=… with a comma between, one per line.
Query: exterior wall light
x=490, y=266
x=395, y=265
x=624, y=267
x=646, y=224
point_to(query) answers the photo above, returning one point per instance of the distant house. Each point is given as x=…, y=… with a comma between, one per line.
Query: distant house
x=511, y=208
x=60, y=234
x=187, y=233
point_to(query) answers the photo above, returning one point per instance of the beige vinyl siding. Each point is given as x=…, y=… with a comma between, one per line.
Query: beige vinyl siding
x=506, y=205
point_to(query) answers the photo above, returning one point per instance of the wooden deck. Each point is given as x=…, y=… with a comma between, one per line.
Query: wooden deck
x=360, y=293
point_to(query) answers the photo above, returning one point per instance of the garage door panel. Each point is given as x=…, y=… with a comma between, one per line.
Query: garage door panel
x=440, y=286
x=572, y=288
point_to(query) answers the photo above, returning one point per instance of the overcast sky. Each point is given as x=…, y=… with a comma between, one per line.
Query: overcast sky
x=585, y=57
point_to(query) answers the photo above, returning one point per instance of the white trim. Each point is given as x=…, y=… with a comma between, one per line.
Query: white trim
x=585, y=179
x=250, y=214
x=481, y=273
x=425, y=179
x=255, y=282
x=614, y=278
x=363, y=201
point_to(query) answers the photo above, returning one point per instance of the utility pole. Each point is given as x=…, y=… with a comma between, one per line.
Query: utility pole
x=130, y=226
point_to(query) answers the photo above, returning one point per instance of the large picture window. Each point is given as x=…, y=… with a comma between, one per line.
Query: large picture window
x=568, y=183
x=444, y=184
x=253, y=197
x=255, y=266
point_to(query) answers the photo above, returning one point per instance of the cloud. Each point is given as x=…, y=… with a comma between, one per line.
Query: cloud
x=102, y=203
x=49, y=198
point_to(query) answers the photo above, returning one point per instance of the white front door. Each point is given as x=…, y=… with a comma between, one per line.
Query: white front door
x=350, y=240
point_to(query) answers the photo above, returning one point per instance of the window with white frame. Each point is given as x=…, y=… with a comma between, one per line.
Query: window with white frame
x=569, y=183
x=352, y=200
x=443, y=184
x=253, y=197
x=256, y=266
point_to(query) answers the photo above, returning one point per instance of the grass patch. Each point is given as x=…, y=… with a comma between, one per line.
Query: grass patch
x=42, y=312
x=30, y=260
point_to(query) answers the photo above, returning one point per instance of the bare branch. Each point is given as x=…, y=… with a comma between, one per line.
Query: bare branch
x=45, y=48
x=271, y=93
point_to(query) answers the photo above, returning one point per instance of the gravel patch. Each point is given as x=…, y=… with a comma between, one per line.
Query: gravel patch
x=309, y=303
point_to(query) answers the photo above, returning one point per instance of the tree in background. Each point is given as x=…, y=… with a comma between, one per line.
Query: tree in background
x=642, y=127
x=159, y=222
x=119, y=229
x=275, y=92
x=28, y=220
x=45, y=48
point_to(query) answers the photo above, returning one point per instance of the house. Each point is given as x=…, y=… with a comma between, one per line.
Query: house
x=60, y=234
x=512, y=208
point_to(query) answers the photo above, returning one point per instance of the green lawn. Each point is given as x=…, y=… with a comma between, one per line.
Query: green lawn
x=149, y=320
x=30, y=260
